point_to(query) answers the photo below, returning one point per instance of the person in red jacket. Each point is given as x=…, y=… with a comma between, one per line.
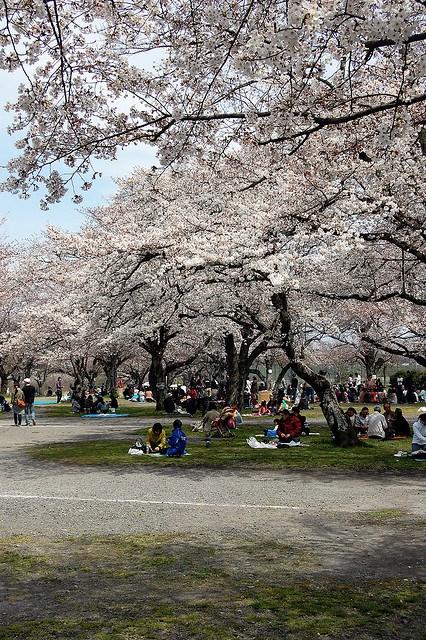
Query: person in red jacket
x=289, y=427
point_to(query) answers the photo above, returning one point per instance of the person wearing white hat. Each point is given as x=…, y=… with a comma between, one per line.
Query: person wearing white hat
x=419, y=431
x=29, y=394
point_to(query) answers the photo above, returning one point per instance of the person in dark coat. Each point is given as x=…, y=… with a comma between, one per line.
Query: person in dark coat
x=400, y=424
x=29, y=394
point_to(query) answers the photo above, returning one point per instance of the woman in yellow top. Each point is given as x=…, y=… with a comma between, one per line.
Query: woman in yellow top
x=18, y=404
x=157, y=439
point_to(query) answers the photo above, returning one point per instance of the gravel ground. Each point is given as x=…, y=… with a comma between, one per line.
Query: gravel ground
x=319, y=509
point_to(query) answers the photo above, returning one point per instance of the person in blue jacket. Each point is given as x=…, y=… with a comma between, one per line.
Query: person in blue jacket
x=177, y=441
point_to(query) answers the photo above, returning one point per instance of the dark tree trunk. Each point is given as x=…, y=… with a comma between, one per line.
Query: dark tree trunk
x=342, y=430
x=3, y=386
x=281, y=376
x=137, y=376
x=110, y=366
x=3, y=377
x=238, y=364
x=371, y=359
x=79, y=371
x=232, y=370
x=157, y=378
x=28, y=367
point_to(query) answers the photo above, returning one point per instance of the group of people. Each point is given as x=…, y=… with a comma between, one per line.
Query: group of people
x=377, y=425
x=138, y=395
x=22, y=403
x=158, y=442
x=220, y=423
x=93, y=403
x=389, y=424
x=373, y=391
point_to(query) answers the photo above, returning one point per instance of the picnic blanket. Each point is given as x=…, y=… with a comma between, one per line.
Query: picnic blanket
x=136, y=451
x=257, y=444
x=105, y=415
x=262, y=435
x=418, y=456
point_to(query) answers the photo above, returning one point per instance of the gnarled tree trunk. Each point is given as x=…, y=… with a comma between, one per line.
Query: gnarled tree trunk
x=341, y=428
x=157, y=378
x=239, y=363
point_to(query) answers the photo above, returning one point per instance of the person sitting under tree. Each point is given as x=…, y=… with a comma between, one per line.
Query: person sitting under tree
x=400, y=424
x=419, y=432
x=377, y=425
x=289, y=428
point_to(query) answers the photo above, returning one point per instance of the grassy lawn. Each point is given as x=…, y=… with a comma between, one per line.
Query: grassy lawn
x=178, y=586
x=235, y=453
x=63, y=410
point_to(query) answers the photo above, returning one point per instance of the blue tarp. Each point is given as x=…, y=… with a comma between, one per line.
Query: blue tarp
x=105, y=415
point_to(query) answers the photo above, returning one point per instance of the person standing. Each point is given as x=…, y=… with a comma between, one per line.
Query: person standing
x=59, y=390
x=29, y=394
x=18, y=404
x=254, y=390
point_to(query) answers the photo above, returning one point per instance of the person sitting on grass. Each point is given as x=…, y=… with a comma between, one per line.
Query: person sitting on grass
x=100, y=406
x=350, y=414
x=149, y=396
x=75, y=404
x=177, y=441
x=113, y=405
x=400, y=424
x=90, y=405
x=361, y=421
x=263, y=409
x=419, y=432
x=289, y=428
x=377, y=425
x=228, y=417
x=272, y=433
x=209, y=417
x=305, y=429
x=157, y=439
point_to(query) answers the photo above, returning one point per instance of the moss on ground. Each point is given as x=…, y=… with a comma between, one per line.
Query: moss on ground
x=177, y=586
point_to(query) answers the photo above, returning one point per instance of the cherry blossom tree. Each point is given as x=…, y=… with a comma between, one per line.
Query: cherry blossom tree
x=194, y=79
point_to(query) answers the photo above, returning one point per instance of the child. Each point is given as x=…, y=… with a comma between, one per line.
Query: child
x=157, y=439
x=177, y=441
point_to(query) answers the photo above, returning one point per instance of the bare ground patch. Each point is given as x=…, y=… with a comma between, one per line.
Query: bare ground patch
x=185, y=586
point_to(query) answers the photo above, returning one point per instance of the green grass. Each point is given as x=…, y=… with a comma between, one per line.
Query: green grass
x=235, y=453
x=63, y=410
x=181, y=586
x=382, y=516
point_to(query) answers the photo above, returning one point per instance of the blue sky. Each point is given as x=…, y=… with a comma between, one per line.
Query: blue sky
x=24, y=218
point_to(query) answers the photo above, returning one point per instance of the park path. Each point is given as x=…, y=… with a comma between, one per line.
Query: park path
x=69, y=499
x=316, y=510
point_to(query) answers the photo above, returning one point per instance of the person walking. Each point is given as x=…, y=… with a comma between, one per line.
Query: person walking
x=18, y=404
x=29, y=394
x=59, y=390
